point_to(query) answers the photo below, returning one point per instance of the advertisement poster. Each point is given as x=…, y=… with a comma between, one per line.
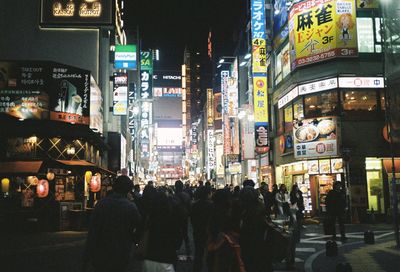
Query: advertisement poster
x=44, y=89
x=321, y=30
x=316, y=138
x=72, y=87
x=337, y=165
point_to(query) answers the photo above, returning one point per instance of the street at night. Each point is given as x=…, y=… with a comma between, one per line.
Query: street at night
x=199, y=135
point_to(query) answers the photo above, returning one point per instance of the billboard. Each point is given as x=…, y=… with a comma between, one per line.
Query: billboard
x=125, y=57
x=280, y=15
x=167, y=92
x=73, y=13
x=167, y=109
x=317, y=137
x=169, y=138
x=44, y=89
x=167, y=78
x=96, y=107
x=233, y=97
x=120, y=94
x=210, y=108
x=322, y=29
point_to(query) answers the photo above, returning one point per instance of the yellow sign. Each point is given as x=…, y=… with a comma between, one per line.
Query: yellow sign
x=259, y=61
x=368, y=4
x=260, y=99
x=210, y=108
x=321, y=30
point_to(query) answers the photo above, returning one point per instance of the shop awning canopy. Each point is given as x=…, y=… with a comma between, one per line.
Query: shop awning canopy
x=82, y=164
x=20, y=167
x=387, y=163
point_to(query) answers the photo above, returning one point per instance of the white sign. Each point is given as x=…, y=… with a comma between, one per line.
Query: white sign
x=288, y=97
x=361, y=82
x=318, y=86
x=211, y=152
x=233, y=97
x=219, y=152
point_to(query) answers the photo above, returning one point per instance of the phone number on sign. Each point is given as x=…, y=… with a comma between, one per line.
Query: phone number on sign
x=316, y=58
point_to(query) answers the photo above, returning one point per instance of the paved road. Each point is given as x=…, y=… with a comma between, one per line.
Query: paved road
x=62, y=251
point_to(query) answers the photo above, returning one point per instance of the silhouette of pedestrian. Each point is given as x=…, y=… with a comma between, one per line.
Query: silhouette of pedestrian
x=335, y=207
x=111, y=230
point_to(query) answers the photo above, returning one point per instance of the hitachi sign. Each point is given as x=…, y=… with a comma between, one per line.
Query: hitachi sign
x=172, y=77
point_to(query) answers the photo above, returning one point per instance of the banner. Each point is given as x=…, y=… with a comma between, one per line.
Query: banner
x=210, y=152
x=317, y=137
x=233, y=97
x=321, y=30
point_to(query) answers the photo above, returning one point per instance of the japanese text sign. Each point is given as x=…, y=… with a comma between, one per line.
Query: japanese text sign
x=321, y=30
x=146, y=75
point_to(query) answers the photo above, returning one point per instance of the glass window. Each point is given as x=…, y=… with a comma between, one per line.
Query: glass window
x=358, y=100
x=322, y=104
x=298, y=110
x=278, y=68
x=375, y=185
x=282, y=64
x=288, y=118
x=365, y=35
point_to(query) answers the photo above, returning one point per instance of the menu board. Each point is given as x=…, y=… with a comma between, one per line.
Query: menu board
x=324, y=166
x=315, y=138
x=313, y=167
x=337, y=165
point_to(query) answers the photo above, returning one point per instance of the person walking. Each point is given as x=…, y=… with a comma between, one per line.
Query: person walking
x=183, y=205
x=282, y=202
x=111, y=230
x=296, y=205
x=200, y=217
x=336, y=207
x=274, y=192
x=268, y=198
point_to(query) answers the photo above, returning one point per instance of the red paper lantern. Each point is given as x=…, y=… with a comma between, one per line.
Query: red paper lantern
x=42, y=188
x=95, y=183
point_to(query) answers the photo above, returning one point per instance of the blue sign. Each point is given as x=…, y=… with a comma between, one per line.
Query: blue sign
x=258, y=19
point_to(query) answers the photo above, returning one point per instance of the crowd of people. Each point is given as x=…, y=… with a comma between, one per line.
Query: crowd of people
x=231, y=227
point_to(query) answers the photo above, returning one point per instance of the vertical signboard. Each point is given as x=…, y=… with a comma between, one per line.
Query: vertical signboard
x=120, y=94
x=322, y=30
x=210, y=108
x=125, y=57
x=146, y=75
x=145, y=121
x=259, y=70
x=132, y=111
x=210, y=152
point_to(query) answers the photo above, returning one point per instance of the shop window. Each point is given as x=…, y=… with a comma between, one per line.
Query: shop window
x=323, y=104
x=288, y=118
x=382, y=99
x=375, y=185
x=360, y=101
x=298, y=109
x=282, y=64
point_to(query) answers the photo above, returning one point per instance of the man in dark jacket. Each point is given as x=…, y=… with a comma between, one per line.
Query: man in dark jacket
x=183, y=206
x=200, y=217
x=111, y=229
x=335, y=207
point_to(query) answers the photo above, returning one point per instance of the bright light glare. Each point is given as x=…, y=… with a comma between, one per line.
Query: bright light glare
x=243, y=63
x=241, y=114
x=248, y=55
x=250, y=117
x=221, y=61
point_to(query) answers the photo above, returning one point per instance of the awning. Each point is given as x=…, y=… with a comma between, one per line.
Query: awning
x=387, y=163
x=20, y=167
x=82, y=164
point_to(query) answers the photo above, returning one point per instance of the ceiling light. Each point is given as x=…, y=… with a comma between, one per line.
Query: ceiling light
x=248, y=55
x=243, y=63
x=221, y=61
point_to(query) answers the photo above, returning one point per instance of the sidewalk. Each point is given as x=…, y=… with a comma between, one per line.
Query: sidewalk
x=382, y=256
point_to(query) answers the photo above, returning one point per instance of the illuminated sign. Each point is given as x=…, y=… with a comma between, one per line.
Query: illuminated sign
x=169, y=137
x=210, y=152
x=145, y=121
x=321, y=30
x=224, y=91
x=70, y=13
x=167, y=92
x=24, y=104
x=318, y=86
x=146, y=75
x=120, y=94
x=361, y=82
x=258, y=36
x=261, y=114
x=210, y=108
x=125, y=57
x=288, y=97
x=233, y=97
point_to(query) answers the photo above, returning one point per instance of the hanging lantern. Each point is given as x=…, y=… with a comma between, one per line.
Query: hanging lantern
x=88, y=176
x=42, y=188
x=95, y=183
x=50, y=175
x=32, y=180
x=5, y=185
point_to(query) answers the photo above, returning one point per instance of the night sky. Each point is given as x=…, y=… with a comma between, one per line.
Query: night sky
x=171, y=24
